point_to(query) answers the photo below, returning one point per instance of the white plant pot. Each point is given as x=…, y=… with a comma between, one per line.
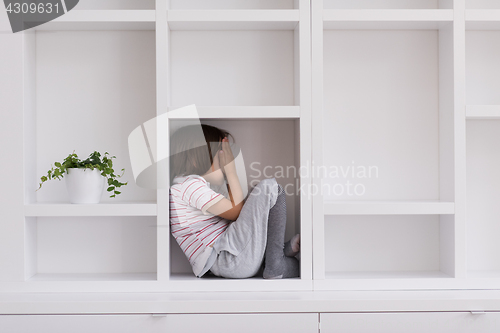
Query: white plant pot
x=84, y=186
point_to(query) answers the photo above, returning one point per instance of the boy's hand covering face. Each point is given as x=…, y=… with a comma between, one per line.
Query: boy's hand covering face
x=222, y=163
x=224, y=168
x=226, y=158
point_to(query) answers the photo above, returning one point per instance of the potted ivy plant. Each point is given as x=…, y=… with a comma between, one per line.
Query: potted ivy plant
x=85, y=180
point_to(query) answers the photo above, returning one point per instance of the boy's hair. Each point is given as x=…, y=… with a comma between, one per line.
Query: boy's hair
x=188, y=157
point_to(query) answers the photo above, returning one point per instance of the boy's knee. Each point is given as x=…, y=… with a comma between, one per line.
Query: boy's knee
x=267, y=185
x=269, y=188
x=270, y=184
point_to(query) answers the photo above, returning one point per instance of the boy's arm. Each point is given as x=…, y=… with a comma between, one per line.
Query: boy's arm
x=229, y=209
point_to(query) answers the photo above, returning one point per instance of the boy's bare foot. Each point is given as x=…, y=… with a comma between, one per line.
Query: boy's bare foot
x=292, y=247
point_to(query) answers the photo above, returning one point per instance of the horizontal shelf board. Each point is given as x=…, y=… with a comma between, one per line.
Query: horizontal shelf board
x=483, y=274
x=101, y=209
x=386, y=280
x=103, y=20
x=163, y=303
x=387, y=207
x=387, y=275
x=233, y=19
x=384, y=25
x=334, y=19
x=415, y=15
x=211, y=278
x=482, y=15
x=241, y=112
x=482, y=19
x=483, y=112
x=95, y=277
x=232, y=15
x=189, y=282
x=232, y=25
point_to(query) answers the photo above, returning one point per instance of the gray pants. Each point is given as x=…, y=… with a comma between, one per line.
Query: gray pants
x=240, y=250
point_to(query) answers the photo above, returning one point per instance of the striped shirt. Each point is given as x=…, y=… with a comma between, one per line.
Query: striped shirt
x=193, y=227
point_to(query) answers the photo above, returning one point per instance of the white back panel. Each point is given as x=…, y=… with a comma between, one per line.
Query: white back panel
x=381, y=115
x=225, y=68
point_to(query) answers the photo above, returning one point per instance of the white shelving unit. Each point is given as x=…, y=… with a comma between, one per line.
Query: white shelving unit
x=252, y=79
x=96, y=73
x=387, y=78
x=390, y=106
x=79, y=97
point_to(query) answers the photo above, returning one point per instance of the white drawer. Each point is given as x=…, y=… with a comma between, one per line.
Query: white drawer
x=81, y=324
x=175, y=323
x=244, y=323
x=410, y=322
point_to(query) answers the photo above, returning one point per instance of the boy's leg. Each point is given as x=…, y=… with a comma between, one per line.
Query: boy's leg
x=241, y=248
x=277, y=265
x=292, y=247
